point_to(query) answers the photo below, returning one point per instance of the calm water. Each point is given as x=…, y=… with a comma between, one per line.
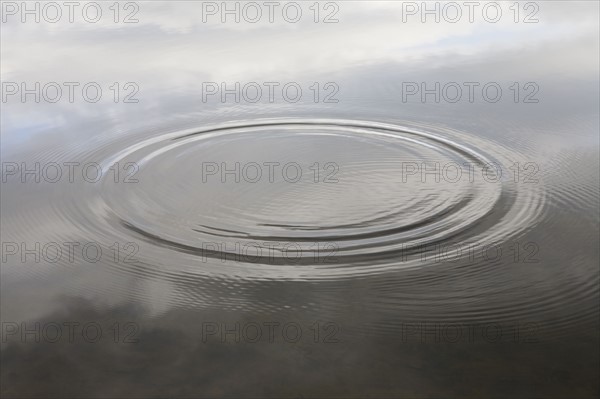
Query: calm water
x=381, y=207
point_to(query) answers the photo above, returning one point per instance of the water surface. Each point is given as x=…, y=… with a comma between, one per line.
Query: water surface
x=477, y=279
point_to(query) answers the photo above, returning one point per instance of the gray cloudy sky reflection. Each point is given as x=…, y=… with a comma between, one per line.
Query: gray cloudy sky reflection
x=170, y=52
x=368, y=54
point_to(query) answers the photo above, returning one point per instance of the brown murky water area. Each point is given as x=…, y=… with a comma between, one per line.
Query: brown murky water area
x=344, y=202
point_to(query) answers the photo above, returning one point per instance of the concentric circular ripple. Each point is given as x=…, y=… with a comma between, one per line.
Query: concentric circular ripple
x=304, y=199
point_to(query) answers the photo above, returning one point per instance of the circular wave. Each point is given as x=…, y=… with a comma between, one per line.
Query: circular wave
x=310, y=199
x=377, y=220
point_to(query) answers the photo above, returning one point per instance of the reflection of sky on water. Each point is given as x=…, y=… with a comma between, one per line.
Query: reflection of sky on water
x=170, y=52
x=369, y=53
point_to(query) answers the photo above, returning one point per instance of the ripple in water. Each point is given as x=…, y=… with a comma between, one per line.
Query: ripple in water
x=351, y=203
x=360, y=239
